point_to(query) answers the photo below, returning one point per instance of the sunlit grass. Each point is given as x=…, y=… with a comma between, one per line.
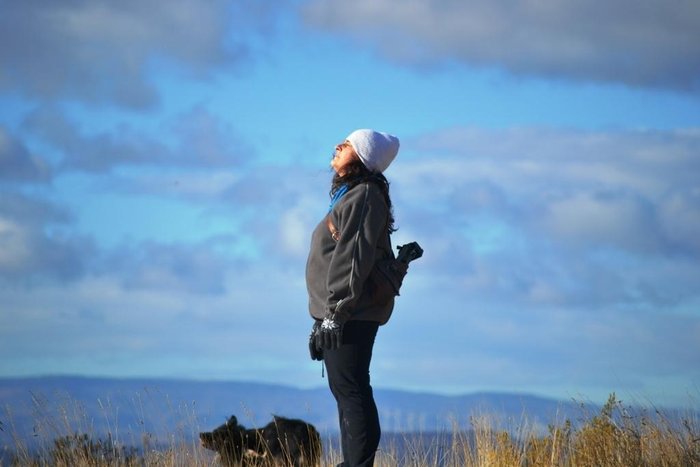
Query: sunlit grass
x=614, y=436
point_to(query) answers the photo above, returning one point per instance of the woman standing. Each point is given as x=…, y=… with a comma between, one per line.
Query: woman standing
x=345, y=246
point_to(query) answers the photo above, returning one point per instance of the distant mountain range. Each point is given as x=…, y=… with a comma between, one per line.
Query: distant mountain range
x=44, y=408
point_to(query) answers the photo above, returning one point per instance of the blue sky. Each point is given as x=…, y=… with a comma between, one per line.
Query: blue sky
x=162, y=167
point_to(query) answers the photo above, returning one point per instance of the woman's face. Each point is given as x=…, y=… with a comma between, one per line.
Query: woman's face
x=343, y=155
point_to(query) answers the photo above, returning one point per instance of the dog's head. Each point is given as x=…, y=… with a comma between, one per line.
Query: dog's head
x=228, y=439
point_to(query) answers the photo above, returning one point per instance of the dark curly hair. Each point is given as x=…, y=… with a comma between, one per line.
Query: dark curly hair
x=354, y=174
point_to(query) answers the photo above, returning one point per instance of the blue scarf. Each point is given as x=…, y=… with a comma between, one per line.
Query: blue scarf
x=337, y=195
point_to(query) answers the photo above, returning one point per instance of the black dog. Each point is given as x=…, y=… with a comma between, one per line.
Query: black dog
x=282, y=442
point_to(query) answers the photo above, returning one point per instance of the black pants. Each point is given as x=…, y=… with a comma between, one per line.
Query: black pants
x=348, y=378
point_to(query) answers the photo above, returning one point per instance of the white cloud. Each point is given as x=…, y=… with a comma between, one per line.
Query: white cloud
x=15, y=246
x=35, y=244
x=592, y=220
x=197, y=138
x=600, y=219
x=102, y=51
x=156, y=267
x=651, y=45
x=679, y=215
x=18, y=164
x=610, y=186
x=294, y=235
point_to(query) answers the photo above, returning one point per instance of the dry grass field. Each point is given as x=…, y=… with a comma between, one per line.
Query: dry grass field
x=615, y=436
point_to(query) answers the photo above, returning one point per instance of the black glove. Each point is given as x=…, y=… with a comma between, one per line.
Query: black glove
x=315, y=352
x=329, y=334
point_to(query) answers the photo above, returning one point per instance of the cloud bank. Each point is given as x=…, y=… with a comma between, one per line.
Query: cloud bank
x=195, y=139
x=560, y=258
x=102, y=52
x=650, y=44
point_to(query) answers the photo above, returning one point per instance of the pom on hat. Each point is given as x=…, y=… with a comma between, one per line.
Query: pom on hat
x=376, y=149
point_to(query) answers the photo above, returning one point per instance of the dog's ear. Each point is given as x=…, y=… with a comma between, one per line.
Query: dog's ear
x=207, y=439
x=232, y=422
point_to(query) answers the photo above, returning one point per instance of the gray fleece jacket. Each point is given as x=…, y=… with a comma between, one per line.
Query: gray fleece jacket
x=336, y=271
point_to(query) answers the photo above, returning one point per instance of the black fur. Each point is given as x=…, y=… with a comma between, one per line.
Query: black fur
x=282, y=442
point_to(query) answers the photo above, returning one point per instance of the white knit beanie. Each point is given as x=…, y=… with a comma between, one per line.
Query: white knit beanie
x=376, y=149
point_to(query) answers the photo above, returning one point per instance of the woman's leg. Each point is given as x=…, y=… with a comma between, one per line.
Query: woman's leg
x=348, y=378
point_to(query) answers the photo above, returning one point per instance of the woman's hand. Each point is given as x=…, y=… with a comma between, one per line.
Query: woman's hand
x=315, y=352
x=329, y=334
